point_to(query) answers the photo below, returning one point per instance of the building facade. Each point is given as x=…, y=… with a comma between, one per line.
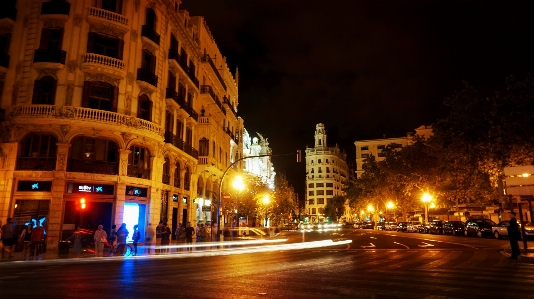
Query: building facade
x=326, y=170
x=259, y=166
x=127, y=104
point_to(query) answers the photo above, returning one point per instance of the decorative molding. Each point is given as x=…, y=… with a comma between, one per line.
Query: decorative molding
x=26, y=20
x=107, y=30
x=70, y=93
x=65, y=112
x=128, y=103
x=127, y=137
x=103, y=78
x=19, y=66
x=53, y=22
x=65, y=129
x=61, y=161
x=15, y=93
x=78, y=18
x=96, y=132
x=6, y=29
x=146, y=91
x=149, y=47
x=152, y=5
x=72, y=65
x=47, y=72
x=130, y=78
x=134, y=35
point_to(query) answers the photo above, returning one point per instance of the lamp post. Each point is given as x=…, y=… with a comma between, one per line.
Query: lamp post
x=266, y=201
x=370, y=209
x=239, y=186
x=426, y=199
x=389, y=206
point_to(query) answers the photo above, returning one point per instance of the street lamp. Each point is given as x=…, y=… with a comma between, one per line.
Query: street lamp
x=370, y=209
x=266, y=201
x=239, y=186
x=426, y=199
x=389, y=206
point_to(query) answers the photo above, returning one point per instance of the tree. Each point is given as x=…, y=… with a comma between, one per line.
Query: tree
x=284, y=203
x=335, y=207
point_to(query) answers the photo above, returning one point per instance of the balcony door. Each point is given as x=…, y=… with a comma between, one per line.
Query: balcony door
x=100, y=95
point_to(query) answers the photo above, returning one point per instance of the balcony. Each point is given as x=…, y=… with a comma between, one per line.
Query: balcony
x=98, y=17
x=170, y=93
x=191, y=151
x=231, y=108
x=85, y=114
x=207, y=59
x=180, y=144
x=8, y=13
x=189, y=72
x=166, y=179
x=4, y=60
x=49, y=58
x=147, y=79
x=173, y=55
x=150, y=34
x=39, y=164
x=229, y=133
x=96, y=63
x=58, y=7
x=91, y=166
x=140, y=172
x=206, y=89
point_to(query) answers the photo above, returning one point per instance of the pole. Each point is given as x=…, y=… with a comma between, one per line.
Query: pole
x=426, y=213
x=525, y=246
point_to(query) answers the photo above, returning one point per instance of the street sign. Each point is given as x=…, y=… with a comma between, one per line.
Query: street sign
x=226, y=197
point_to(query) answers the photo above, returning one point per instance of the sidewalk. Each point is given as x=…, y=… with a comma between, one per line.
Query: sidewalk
x=527, y=256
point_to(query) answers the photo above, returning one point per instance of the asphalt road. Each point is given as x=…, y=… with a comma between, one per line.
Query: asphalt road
x=400, y=265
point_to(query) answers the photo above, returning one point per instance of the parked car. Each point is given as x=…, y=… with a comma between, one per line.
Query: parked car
x=381, y=226
x=424, y=228
x=357, y=225
x=436, y=227
x=479, y=227
x=391, y=226
x=501, y=229
x=401, y=226
x=413, y=226
x=368, y=225
x=455, y=228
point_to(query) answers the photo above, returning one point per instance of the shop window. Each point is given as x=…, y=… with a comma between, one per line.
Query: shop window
x=100, y=95
x=44, y=91
x=144, y=110
x=38, y=152
x=105, y=45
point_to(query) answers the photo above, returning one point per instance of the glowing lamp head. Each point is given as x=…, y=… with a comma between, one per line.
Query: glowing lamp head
x=426, y=197
x=390, y=205
x=370, y=208
x=238, y=183
x=266, y=199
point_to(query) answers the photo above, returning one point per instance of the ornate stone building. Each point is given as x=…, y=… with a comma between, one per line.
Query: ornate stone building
x=128, y=104
x=259, y=166
x=326, y=170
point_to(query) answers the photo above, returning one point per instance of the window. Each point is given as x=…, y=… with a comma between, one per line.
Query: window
x=166, y=177
x=173, y=50
x=364, y=148
x=328, y=170
x=94, y=149
x=319, y=161
x=329, y=185
x=150, y=18
x=365, y=156
x=39, y=146
x=326, y=161
x=319, y=170
x=100, y=95
x=148, y=64
x=144, y=110
x=396, y=145
x=187, y=179
x=321, y=210
x=51, y=38
x=310, y=193
x=381, y=147
x=105, y=45
x=310, y=185
x=169, y=124
x=320, y=192
x=313, y=211
x=189, y=136
x=112, y=5
x=203, y=147
x=320, y=201
x=320, y=185
x=179, y=129
x=4, y=50
x=189, y=100
x=171, y=81
x=329, y=192
x=310, y=201
x=139, y=156
x=177, y=173
x=381, y=155
x=44, y=91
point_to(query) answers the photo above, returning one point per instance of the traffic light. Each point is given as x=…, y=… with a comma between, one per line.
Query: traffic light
x=299, y=156
x=82, y=203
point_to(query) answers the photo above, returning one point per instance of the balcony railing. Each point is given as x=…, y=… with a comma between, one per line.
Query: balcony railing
x=86, y=114
x=166, y=179
x=138, y=172
x=42, y=164
x=179, y=143
x=108, y=15
x=229, y=133
x=192, y=113
x=227, y=102
x=189, y=72
x=144, y=75
x=10, y=13
x=173, y=54
x=91, y=166
x=60, y=7
x=206, y=58
x=103, y=60
x=4, y=60
x=49, y=55
x=149, y=33
x=206, y=89
x=170, y=93
x=188, y=149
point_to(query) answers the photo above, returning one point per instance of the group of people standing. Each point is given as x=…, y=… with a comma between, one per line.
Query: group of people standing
x=31, y=239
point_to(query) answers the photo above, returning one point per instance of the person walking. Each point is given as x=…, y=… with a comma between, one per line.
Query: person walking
x=112, y=235
x=26, y=238
x=136, y=237
x=149, y=237
x=77, y=242
x=8, y=238
x=122, y=234
x=189, y=232
x=159, y=235
x=101, y=238
x=37, y=240
x=513, y=235
x=180, y=234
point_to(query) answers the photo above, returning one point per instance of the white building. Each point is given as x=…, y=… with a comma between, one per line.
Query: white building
x=259, y=166
x=326, y=170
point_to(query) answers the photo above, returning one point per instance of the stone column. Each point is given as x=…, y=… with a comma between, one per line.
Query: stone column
x=121, y=187
x=8, y=160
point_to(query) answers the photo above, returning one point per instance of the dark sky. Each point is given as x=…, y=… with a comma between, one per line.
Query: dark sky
x=363, y=68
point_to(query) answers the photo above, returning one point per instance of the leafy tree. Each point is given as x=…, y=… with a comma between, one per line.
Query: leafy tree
x=335, y=207
x=284, y=202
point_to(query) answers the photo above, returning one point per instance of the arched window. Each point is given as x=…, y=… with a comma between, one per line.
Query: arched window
x=177, y=173
x=144, y=110
x=166, y=178
x=203, y=147
x=151, y=18
x=44, y=91
x=38, y=152
x=187, y=179
x=200, y=187
x=112, y=5
x=139, y=162
x=93, y=155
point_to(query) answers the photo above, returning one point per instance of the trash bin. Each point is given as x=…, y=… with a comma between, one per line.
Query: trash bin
x=64, y=248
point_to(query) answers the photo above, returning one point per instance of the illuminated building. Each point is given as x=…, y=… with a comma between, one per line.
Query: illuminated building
x=129, y=104
x=326, y=170
x=259, y=166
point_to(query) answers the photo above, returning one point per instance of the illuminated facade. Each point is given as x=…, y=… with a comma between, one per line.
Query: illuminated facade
x=326, y=170
x=128, y=104
x=260, y=166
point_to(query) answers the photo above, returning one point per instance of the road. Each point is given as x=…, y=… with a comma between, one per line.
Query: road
x=400, y=265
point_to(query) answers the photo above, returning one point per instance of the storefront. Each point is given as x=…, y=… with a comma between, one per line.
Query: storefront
x=135, y=212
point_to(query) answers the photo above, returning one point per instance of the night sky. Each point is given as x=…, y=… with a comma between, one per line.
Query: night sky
x=363, y=68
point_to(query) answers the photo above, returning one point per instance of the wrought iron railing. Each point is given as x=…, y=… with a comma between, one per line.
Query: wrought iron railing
x=206, y=58
x=92, y=166
x=206, y=89
x=59, y=7
x=138, y=172
x=38, y=163
x=173, y=54
x=227, y=102
x=146, y=76
x=149, y=33
x=50, y=55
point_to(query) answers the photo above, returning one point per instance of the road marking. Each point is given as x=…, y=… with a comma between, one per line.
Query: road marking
x=372, y=238
x=401, y=245
x=372, y=246
x=426, y=245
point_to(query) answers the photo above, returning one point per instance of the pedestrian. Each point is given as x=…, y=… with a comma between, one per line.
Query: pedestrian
x=112, y=236
x=136, y=237
x=180, y=234
x=189, y=232
x=77, y=242
x=100, y=240
x=149, y=237
x=37, y=239
x=513, y=235
x=207, y=235
x=122, y=234
x=165, y=238
x=26, y=238
x=8, y=238
x=159, y=234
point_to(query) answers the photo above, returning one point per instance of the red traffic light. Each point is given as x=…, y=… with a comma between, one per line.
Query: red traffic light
x=82, y=203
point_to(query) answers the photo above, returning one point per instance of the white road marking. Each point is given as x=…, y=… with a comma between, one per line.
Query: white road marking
x=426, y=245
x=372, y=246
x=401, y=245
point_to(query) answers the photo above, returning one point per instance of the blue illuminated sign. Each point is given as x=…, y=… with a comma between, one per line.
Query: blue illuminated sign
x=34, y=186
